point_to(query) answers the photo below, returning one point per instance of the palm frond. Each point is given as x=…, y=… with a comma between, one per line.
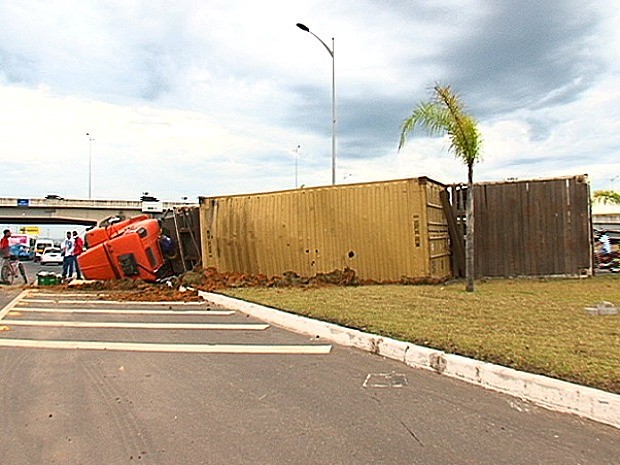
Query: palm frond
x=428, y=115
x=611, y=197
x=445, y=113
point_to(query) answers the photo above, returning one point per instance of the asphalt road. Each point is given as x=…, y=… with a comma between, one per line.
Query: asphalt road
x=121, y=405
x=33, y=268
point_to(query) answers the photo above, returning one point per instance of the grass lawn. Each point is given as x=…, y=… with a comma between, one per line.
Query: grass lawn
x=535, y=325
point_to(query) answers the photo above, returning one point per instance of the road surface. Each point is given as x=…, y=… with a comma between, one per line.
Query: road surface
x=87, y=382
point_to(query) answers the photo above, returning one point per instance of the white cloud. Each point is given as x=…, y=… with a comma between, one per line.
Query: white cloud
x=209, y=98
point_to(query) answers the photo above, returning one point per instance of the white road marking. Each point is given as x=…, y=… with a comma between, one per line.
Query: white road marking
x=124, y=312
x=153, y=347
x=112, y=302
x=12, y=304
x=381, y=380
x=128, y=325
x=67, y=294
x=18, y=305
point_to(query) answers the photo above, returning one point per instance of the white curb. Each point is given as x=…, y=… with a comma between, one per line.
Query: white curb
x=553, y=394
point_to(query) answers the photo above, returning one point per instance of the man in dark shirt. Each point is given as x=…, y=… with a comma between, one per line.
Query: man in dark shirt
x=78, y=248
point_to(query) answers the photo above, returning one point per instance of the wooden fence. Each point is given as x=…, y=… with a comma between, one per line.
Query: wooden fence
x=527, y=228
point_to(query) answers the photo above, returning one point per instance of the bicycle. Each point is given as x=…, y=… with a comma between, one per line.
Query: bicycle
x=11, y=269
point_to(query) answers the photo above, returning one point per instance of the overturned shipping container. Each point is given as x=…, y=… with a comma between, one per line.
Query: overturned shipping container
x=385, y=231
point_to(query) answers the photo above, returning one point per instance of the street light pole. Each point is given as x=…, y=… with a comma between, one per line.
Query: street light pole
x=90, y=165
x=296, y=157
x=334, y=120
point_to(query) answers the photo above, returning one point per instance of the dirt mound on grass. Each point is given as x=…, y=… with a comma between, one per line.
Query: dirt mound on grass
x=137, y=290
x=210, y=279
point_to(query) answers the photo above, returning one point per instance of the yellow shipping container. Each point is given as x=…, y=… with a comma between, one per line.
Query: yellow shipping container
x=385, y=231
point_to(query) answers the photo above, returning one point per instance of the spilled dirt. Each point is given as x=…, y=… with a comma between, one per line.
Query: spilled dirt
x=210, y=279
x=133, y=290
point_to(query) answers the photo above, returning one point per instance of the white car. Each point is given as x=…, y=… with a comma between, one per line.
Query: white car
x=51, y=256
x=39, y=246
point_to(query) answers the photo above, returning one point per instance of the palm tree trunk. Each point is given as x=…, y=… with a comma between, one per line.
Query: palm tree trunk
x=469, y=237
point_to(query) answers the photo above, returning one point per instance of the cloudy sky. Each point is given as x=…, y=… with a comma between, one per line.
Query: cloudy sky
x=209, y=97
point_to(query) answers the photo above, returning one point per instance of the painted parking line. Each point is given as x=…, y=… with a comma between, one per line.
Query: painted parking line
x=67, y=294
x=153, y=347
x=11, y=305
x=19, y=305
x=122, y=311
x=28, y=300
x=91, y=294
x=123, y=325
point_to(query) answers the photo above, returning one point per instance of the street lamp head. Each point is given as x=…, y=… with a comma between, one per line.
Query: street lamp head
x=305, y=28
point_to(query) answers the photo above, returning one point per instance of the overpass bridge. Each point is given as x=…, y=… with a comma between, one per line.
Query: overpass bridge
x=90, y=212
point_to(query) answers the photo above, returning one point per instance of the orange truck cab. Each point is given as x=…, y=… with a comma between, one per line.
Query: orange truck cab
x=98, y=235
x=128, y=249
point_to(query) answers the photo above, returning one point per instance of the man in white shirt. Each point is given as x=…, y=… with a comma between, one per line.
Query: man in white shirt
x=605, y=243
x=68, y=258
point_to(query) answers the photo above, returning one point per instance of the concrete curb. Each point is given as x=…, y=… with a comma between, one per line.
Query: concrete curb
x=553, y=394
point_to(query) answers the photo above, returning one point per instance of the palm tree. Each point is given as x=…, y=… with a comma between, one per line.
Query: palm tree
x=611, y=197
x=444, y=114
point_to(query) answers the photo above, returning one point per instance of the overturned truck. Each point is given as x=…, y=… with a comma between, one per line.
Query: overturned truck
x=129, y=248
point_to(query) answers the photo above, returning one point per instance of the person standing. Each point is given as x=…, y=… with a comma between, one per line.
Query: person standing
x=4, y=244
x=605, y=243
x=78, y=248
x=67, y=254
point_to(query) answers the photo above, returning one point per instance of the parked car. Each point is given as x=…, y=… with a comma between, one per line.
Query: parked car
x=51, y=256
x=39, y=246
x=21, y=251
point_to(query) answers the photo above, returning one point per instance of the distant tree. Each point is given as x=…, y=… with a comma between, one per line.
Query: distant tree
x=443, y=114
x=612, y=197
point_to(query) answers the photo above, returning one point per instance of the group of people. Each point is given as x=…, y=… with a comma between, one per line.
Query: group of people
x=71, y=248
